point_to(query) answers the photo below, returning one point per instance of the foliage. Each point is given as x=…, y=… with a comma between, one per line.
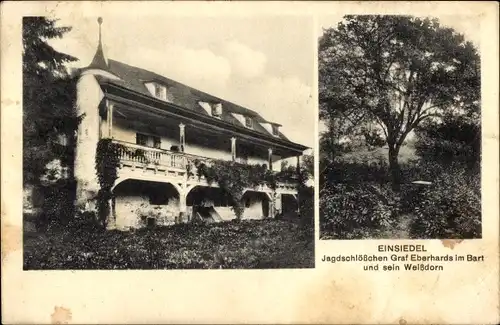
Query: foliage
x=306, y=204
x=354, y=211
x=394, y=72
x=48, y=96
x=450, y=208
x=57, y=208
x=308, y=166
x=363, y=206
x=452, y=140
x=230, y=245
x=107, y=161
x=355, y=172
x=235, y=177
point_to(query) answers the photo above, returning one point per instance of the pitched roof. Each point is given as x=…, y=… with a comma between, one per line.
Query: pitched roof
x=134, y=78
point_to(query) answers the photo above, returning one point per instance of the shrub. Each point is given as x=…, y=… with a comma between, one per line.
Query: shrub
x=57, y=208
x=306, y=204
x=351, y=211
x=450, y=207
x=355, y=172
x=237, y=244
x=451, y=140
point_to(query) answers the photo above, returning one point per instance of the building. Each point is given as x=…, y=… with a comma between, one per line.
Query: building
x=173, y=126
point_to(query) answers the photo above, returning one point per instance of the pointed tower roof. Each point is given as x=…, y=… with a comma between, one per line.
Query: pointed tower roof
x=99, y=61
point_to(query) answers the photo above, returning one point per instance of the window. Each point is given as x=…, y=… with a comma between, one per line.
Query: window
x=141, y=139
x=248, y=122
x=276, y=131
x=156, y=142
x=148, y=140
x=216, y=110
x=158, y=91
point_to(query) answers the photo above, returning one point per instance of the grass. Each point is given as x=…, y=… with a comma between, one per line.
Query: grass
x=252, y=244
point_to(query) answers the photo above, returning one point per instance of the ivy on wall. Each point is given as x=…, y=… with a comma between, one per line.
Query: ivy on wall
x=232, y=176
x=235, y=177
x=107, y=161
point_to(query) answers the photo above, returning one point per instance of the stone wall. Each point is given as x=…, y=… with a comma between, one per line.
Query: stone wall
x=89, y=97
x=133, y=204
x=254, y=206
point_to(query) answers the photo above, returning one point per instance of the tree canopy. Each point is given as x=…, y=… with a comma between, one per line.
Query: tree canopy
x=394, y=72
x=48, y=94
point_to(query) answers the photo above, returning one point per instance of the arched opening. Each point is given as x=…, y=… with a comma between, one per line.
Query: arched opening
x=138, y=203
x=209, y=204
x=257, y=205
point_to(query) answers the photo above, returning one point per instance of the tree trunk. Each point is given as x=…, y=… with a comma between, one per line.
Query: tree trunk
x=394, y=168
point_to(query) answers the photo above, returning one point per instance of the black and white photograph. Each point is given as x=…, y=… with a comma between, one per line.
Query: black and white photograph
x=168, y=142
x=250, y=162
x=400, y=127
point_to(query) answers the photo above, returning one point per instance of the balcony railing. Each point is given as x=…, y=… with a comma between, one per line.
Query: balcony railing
x=141, y=155
x=147, y=155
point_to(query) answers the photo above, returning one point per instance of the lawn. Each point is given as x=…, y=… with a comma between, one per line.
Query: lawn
x=229, y=245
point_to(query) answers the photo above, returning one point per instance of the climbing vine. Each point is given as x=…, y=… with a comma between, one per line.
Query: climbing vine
x=235, y=177
x=107, y=161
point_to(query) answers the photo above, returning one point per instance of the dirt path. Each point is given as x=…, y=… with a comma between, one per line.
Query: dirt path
x=401, y=230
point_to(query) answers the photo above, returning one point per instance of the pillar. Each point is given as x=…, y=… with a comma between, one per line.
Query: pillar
x=270, y=158
x=278, y=203
x=182, y=137
x=110, y=119
x=182, y=206
x=233, y=148
x=272, y=208
x=111, y=224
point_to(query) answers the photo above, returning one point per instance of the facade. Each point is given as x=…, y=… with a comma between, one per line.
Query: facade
x=172, y=125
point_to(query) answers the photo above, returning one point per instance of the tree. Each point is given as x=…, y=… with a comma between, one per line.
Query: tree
x=48, y=95
x=308, y=165
x=395, y=72
x=453, y=140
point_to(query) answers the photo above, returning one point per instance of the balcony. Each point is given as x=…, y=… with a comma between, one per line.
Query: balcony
x=142, y=162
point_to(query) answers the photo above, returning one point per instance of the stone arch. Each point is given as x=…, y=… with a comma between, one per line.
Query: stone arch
x=139, y=202
x=147, y=179
x=258, y=204
x=201, y=188
x=118, y=181
x=268, y=194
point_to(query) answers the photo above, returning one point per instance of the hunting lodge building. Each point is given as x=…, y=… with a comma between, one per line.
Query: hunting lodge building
x=173, y=125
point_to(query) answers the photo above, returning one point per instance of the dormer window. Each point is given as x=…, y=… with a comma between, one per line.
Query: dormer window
x=157, y=90
x=217, y=110
x=276, y=131
x=212, y=109
x=248, y=122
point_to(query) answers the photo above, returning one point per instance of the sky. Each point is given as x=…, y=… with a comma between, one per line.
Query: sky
x=265, y=63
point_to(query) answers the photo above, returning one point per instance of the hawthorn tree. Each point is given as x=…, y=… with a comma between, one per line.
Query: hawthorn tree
x=394, y=72
x=453, y=140
x=48, y=95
